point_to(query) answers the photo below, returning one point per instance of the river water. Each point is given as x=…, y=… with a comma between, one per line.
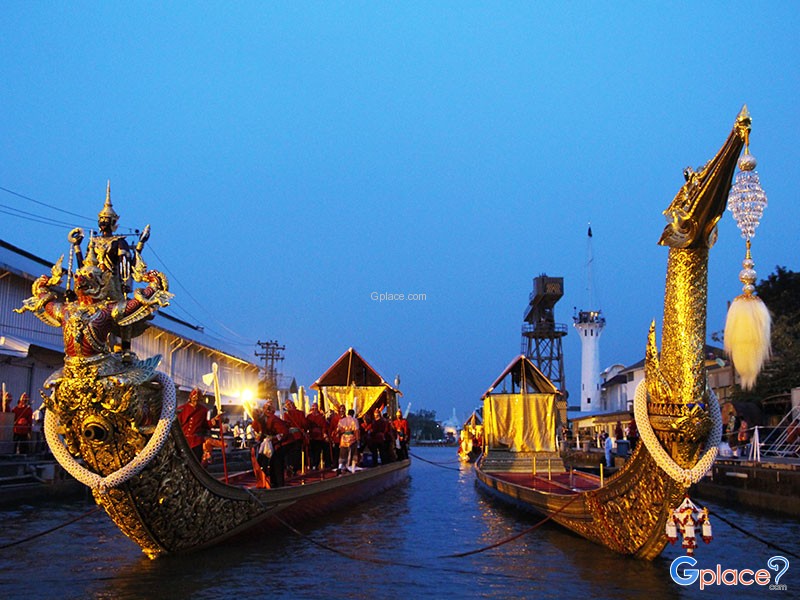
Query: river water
x=395, y=546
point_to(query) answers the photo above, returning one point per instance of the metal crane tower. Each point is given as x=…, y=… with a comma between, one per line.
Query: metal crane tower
x=541, y=335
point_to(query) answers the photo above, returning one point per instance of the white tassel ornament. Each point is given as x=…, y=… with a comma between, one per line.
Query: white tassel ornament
x=747, y=337
x=748, y=325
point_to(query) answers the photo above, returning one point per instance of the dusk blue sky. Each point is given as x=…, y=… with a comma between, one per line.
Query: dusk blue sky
x=293, y=158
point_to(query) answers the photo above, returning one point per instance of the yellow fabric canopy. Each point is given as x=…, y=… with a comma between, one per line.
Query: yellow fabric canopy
x=366, y=396
x=521, y=422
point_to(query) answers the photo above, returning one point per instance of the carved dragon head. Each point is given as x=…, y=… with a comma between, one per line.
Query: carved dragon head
x=694, y=212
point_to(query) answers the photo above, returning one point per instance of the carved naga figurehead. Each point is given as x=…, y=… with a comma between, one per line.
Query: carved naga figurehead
x=697, y=208
x=676, y=379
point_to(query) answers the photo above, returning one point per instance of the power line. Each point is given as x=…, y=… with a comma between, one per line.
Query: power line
x=39, y=202
x=240, y=339
x=34, y=219
x=237, y=340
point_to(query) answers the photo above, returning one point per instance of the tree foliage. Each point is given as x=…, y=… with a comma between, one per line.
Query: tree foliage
x=423, y=425
x=780, y=291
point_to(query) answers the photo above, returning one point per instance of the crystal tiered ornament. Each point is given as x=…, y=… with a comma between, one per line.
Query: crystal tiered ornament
x=748, y=325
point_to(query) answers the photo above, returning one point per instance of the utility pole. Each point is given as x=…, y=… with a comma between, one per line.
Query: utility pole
x=272, y=353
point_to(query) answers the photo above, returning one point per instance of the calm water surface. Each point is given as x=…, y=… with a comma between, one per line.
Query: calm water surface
x=414, y=528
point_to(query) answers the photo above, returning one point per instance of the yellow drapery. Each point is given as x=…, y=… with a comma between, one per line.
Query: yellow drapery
x=344, y=394
x=522, y=422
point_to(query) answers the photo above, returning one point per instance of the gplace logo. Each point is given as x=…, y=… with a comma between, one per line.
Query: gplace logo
x=689, y=576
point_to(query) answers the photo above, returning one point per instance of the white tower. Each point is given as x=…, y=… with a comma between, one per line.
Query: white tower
x=590, y=324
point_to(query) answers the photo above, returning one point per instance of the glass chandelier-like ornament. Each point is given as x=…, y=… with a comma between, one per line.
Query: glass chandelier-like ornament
x=747, y=199
x=748, y=325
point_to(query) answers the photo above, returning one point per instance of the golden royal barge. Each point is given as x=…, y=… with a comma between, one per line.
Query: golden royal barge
x=645, y=504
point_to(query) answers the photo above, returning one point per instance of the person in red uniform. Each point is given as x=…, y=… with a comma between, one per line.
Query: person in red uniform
x=379, y=438
x=23, y=421
x=268, y=425
x=318, y=438
x=403, y=434
x=335, y=434
x=193, y=417
x=298, y=427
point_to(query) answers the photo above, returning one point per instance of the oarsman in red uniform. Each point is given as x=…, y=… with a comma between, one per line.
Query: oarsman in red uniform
x=318, y=434
x=391, y=440
x=268, y=425
x=193, y=417
x=23, y=421
x=335, y=434
x=365, y=427
x=379, y=438
x=403, y=435
x=298, y=427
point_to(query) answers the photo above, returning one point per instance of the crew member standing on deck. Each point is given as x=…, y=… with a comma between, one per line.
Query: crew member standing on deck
x=298, y=427
x=349, y=434
x=403, y=434
x=193, y=417
x=318, y=434
x=335, y=434
x=269, y=425
x=379, y=438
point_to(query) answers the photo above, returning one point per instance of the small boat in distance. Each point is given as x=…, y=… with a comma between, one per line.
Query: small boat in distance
x=470, y=439
x=116, y=414
x=645, y=503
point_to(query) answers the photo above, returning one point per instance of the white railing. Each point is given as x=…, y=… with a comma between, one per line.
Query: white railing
x=782, y=441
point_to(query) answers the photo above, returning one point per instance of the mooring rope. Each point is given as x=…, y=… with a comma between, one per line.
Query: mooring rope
x=436, y=464
x=512, y=537
x=752, y=535
x=51, y=530
x=384, y=562
x=395, y=563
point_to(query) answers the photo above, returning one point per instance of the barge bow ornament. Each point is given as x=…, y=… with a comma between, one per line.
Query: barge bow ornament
x=677, y=414
x=110, y=419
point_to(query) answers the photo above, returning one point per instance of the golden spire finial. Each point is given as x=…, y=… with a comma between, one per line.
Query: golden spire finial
x=743, y=123
x=108, y=209
x=744, y=113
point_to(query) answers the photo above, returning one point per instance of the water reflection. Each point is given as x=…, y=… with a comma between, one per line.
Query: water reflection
x=410, y=530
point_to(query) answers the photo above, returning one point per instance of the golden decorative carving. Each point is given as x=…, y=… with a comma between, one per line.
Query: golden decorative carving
x=629, y=514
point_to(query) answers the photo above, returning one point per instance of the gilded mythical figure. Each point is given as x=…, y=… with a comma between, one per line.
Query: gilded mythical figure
x=88, y=321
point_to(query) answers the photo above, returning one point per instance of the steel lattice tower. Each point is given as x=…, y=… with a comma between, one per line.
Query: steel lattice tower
x=541, y=335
